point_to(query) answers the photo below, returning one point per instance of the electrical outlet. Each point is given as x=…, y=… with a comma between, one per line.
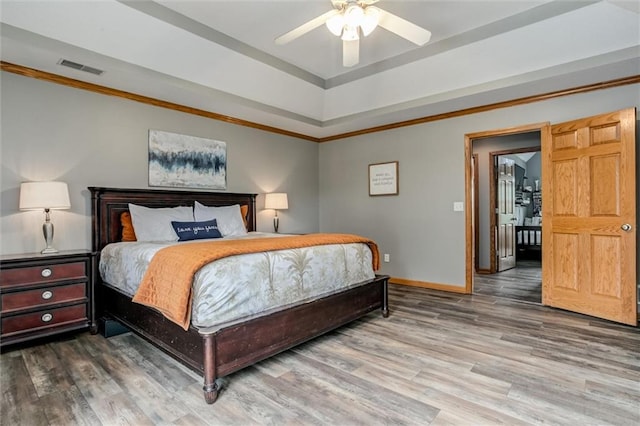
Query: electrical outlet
x=458, y=206
x=387, y=258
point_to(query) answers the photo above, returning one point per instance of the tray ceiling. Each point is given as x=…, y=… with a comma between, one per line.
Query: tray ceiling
x=219, y=56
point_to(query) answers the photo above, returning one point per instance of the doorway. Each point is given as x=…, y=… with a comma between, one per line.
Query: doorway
x=508, y=259
x=486, y=150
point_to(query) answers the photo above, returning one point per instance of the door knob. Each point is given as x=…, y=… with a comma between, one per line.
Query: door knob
x=626, y=227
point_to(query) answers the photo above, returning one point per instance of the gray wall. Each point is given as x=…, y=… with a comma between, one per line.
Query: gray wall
x=86, y=139
x=534, y=172
x=534, y=169
x=483, y=147
x=418, y=228
x=53, y=132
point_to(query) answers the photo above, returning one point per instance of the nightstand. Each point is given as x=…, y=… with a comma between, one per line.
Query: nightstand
x=45, y=294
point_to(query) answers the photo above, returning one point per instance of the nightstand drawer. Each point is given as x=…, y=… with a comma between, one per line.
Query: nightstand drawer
x=44, y=319
x=43, y=296
x=42, y=274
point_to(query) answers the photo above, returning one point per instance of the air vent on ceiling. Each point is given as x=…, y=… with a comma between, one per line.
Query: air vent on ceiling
x=77, y=66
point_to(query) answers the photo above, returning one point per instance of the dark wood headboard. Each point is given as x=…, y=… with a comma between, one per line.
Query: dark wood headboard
x=107, y=204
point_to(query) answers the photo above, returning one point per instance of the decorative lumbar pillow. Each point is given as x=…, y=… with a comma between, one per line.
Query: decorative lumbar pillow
x=196, y=230
x=229, y=218
x=155, y=224
x=128, y=234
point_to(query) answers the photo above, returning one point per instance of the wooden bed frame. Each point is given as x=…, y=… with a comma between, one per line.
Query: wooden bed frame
x=530, y=247
x=230, y=348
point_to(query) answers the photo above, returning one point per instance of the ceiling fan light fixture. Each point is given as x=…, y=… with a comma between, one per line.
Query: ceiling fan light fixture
x=352, y=19
x=335, y=24
x=350, y=33
x=370, y=20
x=353, y=15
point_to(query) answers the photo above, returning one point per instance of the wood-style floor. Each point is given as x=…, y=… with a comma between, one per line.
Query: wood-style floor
x=524, y=282
x=439, y=359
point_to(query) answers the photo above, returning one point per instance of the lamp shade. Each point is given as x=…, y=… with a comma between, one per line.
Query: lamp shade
x=44, y=195
x=370, y=20
x=276, y=201
x=335, y=24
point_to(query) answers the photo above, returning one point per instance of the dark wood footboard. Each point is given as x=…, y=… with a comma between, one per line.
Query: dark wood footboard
x=232, y=348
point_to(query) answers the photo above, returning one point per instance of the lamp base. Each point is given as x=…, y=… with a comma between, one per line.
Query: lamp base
x=47, y=230
x=276, y=224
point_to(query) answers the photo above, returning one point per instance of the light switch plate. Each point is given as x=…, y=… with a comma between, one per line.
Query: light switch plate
x=458, y=206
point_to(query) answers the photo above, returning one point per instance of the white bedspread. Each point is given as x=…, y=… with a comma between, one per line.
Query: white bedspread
x=239, y=287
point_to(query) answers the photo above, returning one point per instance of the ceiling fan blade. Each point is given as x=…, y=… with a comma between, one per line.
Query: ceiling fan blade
x=350, y=52
x=404, y=28
x=306, y=27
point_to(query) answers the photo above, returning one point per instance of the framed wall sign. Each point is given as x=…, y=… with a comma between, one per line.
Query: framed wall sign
x=383, y=178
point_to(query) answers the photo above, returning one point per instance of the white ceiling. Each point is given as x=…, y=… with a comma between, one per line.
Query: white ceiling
x=220, y=56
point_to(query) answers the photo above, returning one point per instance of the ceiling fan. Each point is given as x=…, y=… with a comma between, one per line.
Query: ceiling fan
x=351, y=18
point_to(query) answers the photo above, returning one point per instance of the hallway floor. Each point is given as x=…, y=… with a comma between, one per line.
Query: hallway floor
x=524, y=282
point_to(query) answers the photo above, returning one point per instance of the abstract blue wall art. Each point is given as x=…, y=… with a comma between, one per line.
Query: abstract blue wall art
x=186, y=161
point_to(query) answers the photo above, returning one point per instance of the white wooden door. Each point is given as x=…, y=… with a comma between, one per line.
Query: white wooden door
x=506, y=214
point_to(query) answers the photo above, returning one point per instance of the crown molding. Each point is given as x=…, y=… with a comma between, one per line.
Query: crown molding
x=66, y=81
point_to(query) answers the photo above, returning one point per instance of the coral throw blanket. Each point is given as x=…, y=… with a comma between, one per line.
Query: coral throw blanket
x=166, y=285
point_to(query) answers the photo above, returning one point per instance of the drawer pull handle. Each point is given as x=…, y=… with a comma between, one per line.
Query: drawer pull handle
x=46, y=295
x=46, y=272
x=47, y=317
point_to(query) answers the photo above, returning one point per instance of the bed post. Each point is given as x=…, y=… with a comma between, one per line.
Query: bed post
x=95, y=219
x=210, y=387
x=385, y=298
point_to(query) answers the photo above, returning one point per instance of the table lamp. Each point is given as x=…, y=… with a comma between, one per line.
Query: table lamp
x=47, y=196
x=276, y=201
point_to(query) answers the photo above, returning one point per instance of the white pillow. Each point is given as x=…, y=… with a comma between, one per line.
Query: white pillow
x=229, y=218
x=155, y=224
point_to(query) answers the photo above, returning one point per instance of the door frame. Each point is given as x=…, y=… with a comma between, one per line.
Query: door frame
x=476, y=211
x=493, y=264
x=470, y=252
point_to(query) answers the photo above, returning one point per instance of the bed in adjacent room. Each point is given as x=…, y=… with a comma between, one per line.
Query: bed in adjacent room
x=529, y=242
x=244, y=296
